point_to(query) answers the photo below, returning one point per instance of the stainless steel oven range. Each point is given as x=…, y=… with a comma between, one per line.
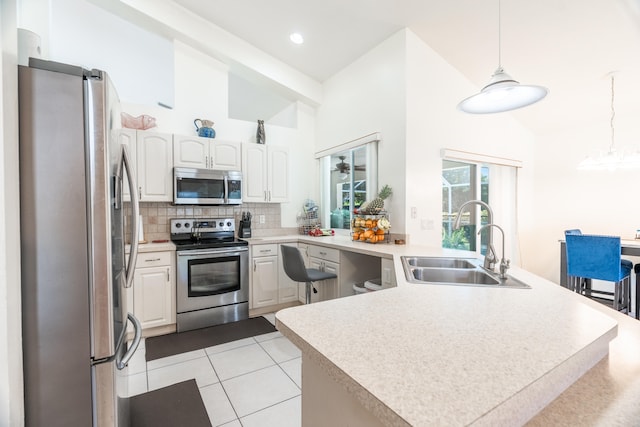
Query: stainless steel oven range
x=212, y=285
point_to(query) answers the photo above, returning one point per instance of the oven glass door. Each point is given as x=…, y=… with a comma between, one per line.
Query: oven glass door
x=207, y=190
x=213, y=276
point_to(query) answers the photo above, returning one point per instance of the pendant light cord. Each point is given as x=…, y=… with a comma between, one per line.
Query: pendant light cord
x=499, y=35
x=613, y=115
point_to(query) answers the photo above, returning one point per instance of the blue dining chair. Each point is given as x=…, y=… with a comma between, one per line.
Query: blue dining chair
x=598, y=257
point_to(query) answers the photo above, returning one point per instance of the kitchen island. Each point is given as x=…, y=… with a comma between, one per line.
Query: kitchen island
x=461, y=355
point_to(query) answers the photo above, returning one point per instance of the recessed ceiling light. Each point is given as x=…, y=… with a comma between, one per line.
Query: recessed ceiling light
x=296, y=38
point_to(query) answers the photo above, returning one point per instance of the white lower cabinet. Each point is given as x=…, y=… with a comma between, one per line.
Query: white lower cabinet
x=325, y=259
x=154, y=289
x=304, y=250
x=264, y=275
x=388, y=273
x=270, y=285
x=287, y=288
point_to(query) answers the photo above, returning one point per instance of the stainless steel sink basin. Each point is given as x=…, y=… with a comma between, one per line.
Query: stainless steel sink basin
x=442, y=275
x=454, y=271
x=440, y=262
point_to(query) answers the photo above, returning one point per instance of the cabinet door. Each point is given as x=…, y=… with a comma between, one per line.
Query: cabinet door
x=225, y=155
x=304, y=250
x=152, y=296
x=264, y=284
x=127, y=137
x=388, y=275
x=155, y=166
x=287, y=288
x=327, y=289
x=330, y=289
x=254, y=170
x=190, y=151
x=278, y=174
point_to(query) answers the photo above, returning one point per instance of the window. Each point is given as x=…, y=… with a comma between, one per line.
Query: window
x=349, y=178
x=462, y=182
x=494, y=180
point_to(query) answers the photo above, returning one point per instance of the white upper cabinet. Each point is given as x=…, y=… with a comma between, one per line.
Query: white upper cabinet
x=266, y=173
x=278, y=174
x=155, y=166
x=225, y=155
x=127, y=137
x=206, y=153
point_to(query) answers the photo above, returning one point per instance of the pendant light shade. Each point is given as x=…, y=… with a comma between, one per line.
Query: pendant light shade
x=503, y=93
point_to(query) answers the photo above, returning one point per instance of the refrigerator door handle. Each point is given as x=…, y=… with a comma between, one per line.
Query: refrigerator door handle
x=135, y=213
x=137, y=327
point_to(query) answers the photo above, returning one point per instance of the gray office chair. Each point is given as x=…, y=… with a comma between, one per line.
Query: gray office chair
x=294, y=267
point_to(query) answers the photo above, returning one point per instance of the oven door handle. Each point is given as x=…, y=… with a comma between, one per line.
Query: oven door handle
x=222, y=251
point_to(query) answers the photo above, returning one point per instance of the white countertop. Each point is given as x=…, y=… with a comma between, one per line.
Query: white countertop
x=153, y=247
x=429, y=354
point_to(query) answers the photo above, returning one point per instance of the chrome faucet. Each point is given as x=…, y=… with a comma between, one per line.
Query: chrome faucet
x=504, y=263
x=490, y=257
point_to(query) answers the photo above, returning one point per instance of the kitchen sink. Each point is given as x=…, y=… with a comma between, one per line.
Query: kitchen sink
x=454, y=271
x=440, y=262
x=452, y=275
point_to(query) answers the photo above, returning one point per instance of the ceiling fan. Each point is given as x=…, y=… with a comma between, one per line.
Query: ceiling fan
x=344, y=167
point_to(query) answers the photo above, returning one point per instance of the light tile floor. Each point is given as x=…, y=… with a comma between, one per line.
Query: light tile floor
x=250, y=382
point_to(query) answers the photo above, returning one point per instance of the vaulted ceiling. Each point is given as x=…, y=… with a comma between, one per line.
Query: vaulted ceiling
x=569, y=46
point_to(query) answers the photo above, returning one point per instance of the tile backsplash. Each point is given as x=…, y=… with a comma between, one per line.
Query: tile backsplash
x=155, y=217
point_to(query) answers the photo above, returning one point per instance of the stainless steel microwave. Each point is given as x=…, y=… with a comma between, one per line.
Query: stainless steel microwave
x=206, y=187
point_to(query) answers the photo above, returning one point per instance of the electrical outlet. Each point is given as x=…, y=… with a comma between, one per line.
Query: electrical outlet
x=414, y=212
x=262, y=219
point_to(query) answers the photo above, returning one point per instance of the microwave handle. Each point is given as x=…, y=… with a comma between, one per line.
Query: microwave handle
x=226, y=190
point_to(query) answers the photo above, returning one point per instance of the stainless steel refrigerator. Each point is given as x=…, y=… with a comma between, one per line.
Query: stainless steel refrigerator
x=72, y=247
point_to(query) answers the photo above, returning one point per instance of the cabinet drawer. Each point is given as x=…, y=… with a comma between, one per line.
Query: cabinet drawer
x=264, y=250
x=327, y=254
x=153, y=259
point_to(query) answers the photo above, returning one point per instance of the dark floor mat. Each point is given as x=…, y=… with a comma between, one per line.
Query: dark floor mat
x=179, y=405
x=168, y=345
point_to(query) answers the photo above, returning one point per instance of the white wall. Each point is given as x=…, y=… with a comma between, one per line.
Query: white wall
x=369, y=96
x=408, y=93
x=11, y=385
x=434, y=88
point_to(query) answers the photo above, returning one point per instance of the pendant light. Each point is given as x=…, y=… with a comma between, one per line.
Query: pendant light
x=503, y=93
x=612, y=159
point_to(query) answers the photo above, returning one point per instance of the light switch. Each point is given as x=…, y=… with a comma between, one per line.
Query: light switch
x=414, y=212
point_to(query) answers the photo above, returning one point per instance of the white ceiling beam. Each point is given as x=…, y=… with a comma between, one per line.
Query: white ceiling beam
x=173, y=21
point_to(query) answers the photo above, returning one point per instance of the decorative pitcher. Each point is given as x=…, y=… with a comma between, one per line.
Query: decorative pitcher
x=205, y=129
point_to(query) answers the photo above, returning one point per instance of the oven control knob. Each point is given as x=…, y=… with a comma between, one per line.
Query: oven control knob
x=187, y=225
x=221, y=224
x=229, y=224
x=178, y=225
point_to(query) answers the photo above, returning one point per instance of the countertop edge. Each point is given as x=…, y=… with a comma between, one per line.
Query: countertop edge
x=366, y=398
